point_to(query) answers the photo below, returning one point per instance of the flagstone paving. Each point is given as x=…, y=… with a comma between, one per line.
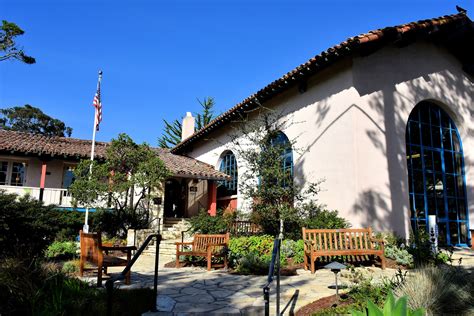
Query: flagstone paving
x=195, y=291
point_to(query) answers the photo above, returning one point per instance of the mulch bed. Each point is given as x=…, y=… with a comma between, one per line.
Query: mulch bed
x=322, y=303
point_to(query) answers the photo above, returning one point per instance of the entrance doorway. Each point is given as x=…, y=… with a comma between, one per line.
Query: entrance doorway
x=174, y=204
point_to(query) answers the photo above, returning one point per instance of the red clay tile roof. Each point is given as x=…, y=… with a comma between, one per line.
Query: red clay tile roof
x=363, y=44
x=16, y=143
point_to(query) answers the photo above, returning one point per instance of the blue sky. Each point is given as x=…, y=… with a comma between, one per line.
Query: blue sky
x=159, y=56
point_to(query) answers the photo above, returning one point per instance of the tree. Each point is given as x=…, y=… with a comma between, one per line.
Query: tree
x=127, y=180
x=266, y=182
x=8, y=47
x=32, y=120
x=172, y=132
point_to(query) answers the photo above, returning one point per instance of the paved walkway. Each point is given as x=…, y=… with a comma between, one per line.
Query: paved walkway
x=194, y=291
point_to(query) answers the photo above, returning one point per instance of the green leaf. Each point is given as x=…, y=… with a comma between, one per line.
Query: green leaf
x=357, y=313
x=373, y=310
x=418, y=312
x=401, y=307
x=389, y=305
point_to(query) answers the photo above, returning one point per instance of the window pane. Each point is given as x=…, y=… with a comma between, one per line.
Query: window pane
x=439, y=186
x=425, y=114
x=434, y=113
x=441, y=208
x=3, y=172
x=414, y=133
x=450, y=185
x=442, y=233
x=462, y=210
x=453, y=232
x=448, y=162
x=463, y=232
x=419, y=206
x=418, y=182
x=456, y=143
x=437, y=163
x=447, y=139
x=452, y=210
x=68, y=178
x=18, y=174
x=458, y=163
x=436, y=136
x=416, y=157
x=426, y=135
x=428, y=155
x=460, y=186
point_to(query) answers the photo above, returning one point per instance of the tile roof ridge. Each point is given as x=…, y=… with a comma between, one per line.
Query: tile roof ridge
x=340, y=49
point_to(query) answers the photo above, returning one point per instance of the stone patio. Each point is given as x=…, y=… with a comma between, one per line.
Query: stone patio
x=195, y=291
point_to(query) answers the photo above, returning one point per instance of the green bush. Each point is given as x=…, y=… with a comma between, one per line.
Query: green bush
x=205, y=224
x=70, y=267
x=30, y=288
x=252, y=263
x=61, y=250
x=325, y=219
x=391, y=307
x=401, y=256
x=293, y=249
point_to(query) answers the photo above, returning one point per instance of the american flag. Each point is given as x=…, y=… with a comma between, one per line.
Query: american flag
x=98, y=106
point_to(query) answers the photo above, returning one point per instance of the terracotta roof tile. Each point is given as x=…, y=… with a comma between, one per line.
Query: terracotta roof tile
x=321, y=61
x=62, y=147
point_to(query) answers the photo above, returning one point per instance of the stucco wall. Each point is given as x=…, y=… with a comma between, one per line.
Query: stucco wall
x=351, y=125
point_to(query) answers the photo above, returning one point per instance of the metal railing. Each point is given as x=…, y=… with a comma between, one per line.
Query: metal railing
x=109, y=285
x=271, y=274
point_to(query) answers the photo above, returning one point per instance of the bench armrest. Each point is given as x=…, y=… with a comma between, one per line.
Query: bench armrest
x=183, y=243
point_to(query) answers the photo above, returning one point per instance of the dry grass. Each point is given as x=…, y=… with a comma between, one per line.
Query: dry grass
x=439, y=290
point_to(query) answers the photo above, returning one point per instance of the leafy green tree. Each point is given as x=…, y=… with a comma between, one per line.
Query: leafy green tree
x=266, y=182
x=127, y=180
x=8, y=47
x=30, y=119
x=172, y=132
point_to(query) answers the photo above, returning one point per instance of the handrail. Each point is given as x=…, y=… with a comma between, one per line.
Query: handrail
x=109, y=285
x=271, y=273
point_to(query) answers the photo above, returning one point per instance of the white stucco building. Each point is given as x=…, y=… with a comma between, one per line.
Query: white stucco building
x=386, y=118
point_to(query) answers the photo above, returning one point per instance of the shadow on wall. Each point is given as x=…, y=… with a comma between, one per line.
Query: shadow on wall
x=394, y=106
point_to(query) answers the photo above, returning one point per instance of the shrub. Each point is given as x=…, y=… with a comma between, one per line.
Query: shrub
x=439, y=290
x=391, y=307
x=325, y=219
x=252, y=263
x=293, y=249
x=400, y=255
x=61, y=250
x=70, y=267
x=205, y=224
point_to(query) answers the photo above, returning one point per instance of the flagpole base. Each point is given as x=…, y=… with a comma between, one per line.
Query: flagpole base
x=85, y=228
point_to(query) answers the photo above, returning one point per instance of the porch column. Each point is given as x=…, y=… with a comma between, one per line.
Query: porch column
x=42, y=180
x=212, y=195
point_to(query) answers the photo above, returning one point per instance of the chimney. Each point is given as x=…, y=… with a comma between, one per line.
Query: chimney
x=188, y=126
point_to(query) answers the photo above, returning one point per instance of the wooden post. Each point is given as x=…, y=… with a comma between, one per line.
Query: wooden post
x=212, y=194
x=42, y=180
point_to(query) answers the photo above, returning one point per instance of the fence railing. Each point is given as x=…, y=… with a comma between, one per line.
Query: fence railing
x=109, y=285
x=274, y=267
x=244, y=228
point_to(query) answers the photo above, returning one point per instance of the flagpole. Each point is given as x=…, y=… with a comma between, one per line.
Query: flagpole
x=94, y=129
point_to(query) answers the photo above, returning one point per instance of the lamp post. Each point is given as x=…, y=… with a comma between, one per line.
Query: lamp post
x=335, y=267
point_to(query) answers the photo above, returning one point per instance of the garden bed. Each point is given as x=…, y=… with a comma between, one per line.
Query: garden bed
x=324, y=303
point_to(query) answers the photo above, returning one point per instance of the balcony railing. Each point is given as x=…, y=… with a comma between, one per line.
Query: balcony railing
x=60, y=197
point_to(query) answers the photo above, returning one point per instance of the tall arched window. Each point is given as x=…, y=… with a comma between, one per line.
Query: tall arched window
x=228, y=165
x=281, y=140
x=436, y=173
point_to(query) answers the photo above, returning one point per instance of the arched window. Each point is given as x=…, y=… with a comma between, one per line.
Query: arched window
x=282, y=141
x=436, y=173
x=228, y=165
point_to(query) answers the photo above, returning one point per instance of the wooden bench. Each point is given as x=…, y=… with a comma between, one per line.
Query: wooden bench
x=93, y=251
x=340, y=242
x=208, y=246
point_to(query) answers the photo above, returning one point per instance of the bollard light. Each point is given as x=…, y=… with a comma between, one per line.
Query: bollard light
x=335, y=267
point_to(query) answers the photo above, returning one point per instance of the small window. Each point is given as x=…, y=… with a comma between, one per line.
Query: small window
x=3, y=172
x=68, y=177
x=18, y=176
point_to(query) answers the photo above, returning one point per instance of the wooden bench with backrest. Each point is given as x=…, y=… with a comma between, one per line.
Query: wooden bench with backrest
x=208, y=246
x=93, y=251
x=319, y=243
